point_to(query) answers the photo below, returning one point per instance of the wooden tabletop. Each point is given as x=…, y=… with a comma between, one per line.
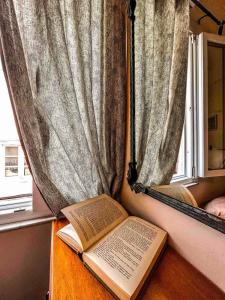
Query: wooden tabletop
x=173, y=279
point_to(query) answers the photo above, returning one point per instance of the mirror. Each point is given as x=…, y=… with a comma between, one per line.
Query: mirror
x=197, y=187
x=200, y=182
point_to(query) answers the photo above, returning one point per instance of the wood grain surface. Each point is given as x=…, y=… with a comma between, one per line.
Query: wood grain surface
x=173, y=278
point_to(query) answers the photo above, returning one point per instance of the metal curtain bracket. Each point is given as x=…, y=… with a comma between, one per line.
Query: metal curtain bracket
x=210, y=15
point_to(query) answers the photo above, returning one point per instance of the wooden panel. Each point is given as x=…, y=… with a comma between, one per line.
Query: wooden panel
x=173, y=279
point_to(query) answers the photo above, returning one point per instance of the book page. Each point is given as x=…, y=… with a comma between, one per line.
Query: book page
x=124, y=256
x=70, y=237
x=177, y=191
x=94, y=218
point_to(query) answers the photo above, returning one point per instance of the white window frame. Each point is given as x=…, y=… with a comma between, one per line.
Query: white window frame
x=190, y=129
x=203, y=40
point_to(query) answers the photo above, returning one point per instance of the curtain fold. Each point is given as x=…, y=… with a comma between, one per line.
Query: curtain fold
x=161, y=43
x=65, y=65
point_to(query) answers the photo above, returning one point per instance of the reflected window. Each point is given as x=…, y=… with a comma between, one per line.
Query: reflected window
x=186, y=163
x=180, y=166
x=216, y=107
x=211, y=105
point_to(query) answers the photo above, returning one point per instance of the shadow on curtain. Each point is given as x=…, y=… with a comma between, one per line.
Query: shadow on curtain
x=65, y=64
x=161, y=42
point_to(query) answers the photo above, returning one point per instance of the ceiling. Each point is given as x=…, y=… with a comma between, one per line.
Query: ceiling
x=217, y=8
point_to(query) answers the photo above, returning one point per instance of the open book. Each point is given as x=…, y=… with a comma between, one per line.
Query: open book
x=177, y=191
x=119, y=249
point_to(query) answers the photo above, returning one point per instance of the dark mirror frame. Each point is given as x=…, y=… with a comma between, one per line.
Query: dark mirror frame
x=194, y=212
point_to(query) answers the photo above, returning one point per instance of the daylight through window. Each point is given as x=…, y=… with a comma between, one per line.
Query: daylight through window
x=15, y=178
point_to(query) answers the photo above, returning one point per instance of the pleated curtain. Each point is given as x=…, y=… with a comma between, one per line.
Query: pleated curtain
x=161, y=49
x=65, y=65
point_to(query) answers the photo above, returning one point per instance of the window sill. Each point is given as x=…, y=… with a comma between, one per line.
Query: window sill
x=188, y=184
x=24, y=219
x=185, y=181
x=39, y=215
x=23, y=224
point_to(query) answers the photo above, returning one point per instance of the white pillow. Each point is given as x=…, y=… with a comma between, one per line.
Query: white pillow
x=216, y=207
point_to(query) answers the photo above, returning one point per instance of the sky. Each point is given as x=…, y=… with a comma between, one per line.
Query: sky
x=7, y=123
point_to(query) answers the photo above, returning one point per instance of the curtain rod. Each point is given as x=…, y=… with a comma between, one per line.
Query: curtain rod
x=210, y=15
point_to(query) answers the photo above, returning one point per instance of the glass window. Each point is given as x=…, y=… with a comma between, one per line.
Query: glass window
x=26, y=169
x=11, y=161
x=11, y=151
x=180, y=166
x=15, y=179
x=216, y=120
x=211, y=105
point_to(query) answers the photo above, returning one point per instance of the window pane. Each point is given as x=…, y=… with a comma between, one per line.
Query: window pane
x=180, y=166
x=13, y=181
x=11, y=151
x=216, y=108
x=26, y=171
x=11, y=171
x=11, y=161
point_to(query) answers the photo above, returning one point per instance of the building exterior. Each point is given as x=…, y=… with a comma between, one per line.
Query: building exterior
x=15, y=178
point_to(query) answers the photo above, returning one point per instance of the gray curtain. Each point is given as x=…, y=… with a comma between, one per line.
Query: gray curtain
x=161, y=68
x=65, y=63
